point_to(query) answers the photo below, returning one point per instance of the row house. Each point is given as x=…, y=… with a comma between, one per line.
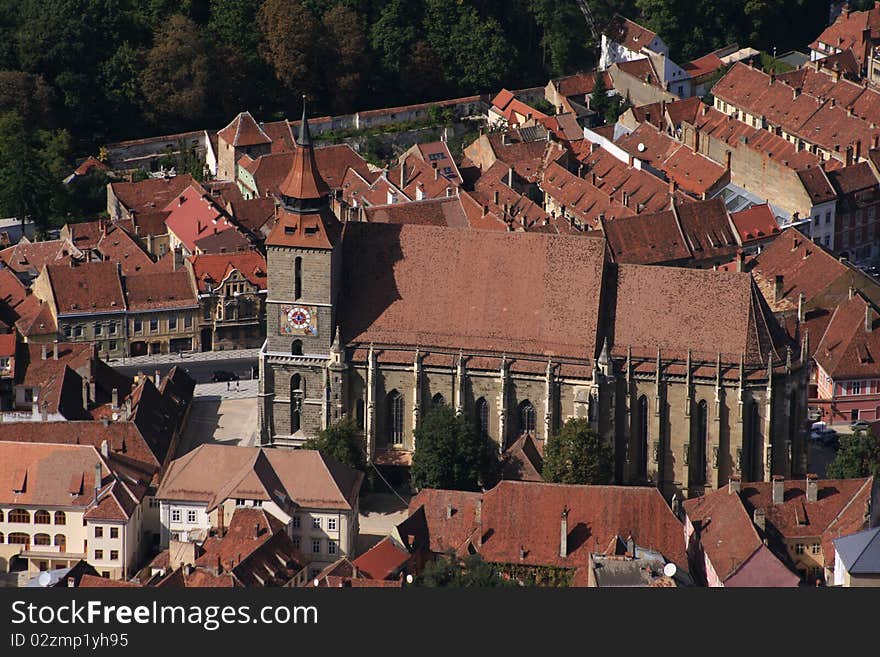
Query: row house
x=93, y=302
x=847, y=374
x=762, y=533
x=857, y=219
x=625, y=41
x=232, y=296
x=60, y=504
x=854, y=31
x=814, y=108
x=312, y=496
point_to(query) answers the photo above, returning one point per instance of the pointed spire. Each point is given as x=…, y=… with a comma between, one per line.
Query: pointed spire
x=336, y=340
x=604, y=357
x=788, y=358
x=305, y=137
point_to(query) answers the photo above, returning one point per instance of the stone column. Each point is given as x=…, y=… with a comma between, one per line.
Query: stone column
x=417, y=394
x=768, y=421
x=713, y=448
x=502, y=405
x=370, y=424
x=658, y=456
x=459, y=384
x=548, y=402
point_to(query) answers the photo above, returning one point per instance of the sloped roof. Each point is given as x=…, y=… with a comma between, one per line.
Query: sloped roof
x=508, y=293
x=755, y=223
x=308, y=478
x=314, y=230
x=653, y=303
x=846, y=32
x=160, y=290
x=244, y=131
x=87, y=287
x=847, y=348
x=152, y=194
x=304, y=180
x=860, y=552
x=214, y=268
x=629, y=34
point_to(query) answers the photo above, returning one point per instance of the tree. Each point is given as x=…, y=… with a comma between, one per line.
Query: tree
x=448, y=571
x=346, y=63
x=29, y=166
x=423, y=76
x=450, y=453
x=26, y=94
x=858, y=456
x=289, y=43
x=394, y=33
x=599, y=101
x=341, y=442
x=175, y=78
x=577, y=455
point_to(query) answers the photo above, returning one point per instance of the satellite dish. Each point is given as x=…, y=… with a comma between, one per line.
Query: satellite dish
x=641, y=147
x=316, y=582
x=669, y=569
x=409, y=579
x=44, y=579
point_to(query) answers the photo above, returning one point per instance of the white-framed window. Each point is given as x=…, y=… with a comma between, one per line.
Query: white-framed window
x=191, y=516
x=295, y=540
x=815, y=548
x=296, y=522
x=799, y=548
x=331, y=524
x=78, y=331
x=316, y=522
x=855, y=388
x=99, y=330
x=114, y=532
x=99, y=555
x=239, y=502
x=175, y=515
x=154, y=326
x=172, y=323
x=114, y=555
x=258, y=503
x=112, y=328
x=331, y=547
x=316, y=546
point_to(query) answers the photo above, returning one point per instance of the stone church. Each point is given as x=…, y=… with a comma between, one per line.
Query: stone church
x=684, y=372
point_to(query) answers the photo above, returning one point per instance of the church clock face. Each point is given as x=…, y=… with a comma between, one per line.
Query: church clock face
x=299, y=317
x=298, y=320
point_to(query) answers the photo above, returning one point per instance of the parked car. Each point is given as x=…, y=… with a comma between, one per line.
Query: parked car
x=856, y=425
x=223, y=375
x=829, y=438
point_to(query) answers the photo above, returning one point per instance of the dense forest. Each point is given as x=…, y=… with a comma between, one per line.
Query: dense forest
x=78, y=73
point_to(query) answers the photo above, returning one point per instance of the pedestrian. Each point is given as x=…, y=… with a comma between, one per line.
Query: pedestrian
x=227, y=385
x=236, y=384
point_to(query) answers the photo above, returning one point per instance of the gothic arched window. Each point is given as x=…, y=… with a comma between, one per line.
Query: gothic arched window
x=297, y=278
x=526, y=417
x=483, y=416
x=751, y=454
x=297, y=393
x=698, y=447
x=359, y=413
x=438, y=400
x=642, y=436
x=395, y=417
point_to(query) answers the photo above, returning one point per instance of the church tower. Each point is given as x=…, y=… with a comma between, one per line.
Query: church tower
x=303, y=258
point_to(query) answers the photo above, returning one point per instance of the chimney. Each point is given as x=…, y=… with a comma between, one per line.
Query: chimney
x=449, y=510
x=696, y=140
x=760, y=519
x=671, y=187
x=114, y=399
x=436, y=173
x=849, y=155
x=105, y=449
x=795, y=93
x=563, y=534
x=510, y=177
x=740, y=261
x=55, y=351
x=777, y=288
x=812, y=488
x=256, y=530
x=44, y=350
x=868, y=321
x=778, y=485
x=801, y=307
x=495, y=197
x=734, y=485
x=85, y=394
x=727, y=160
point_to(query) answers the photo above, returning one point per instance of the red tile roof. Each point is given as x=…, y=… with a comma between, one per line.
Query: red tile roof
x=383, y=561
x=30, y=257
x=160, y=291
x=315, y=230
x=580, y=84
x=729, y=539
x=430, y=212
x=243, y=131
x=402, y=303
x=755, y=223
x=87, y=287
x=193, y=215
x=653, y=303
x=705, y=65
x=117, y=245
x=841, y=504
x=850, y=345
x=629, y=34
x=304, y=180
x=647, y=239
x=450, y=516
x=152, y=194
x=847, y=32
x=213, y=269
x=525, y=516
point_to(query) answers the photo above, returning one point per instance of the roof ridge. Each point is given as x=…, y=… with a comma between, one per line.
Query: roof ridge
x=868, y=480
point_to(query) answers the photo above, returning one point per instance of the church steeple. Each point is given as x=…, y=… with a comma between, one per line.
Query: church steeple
x=304, y=190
